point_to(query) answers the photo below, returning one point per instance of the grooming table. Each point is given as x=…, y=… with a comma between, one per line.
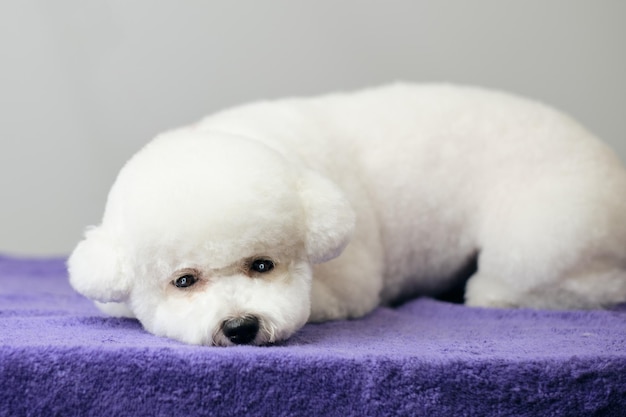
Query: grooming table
x=59, y=356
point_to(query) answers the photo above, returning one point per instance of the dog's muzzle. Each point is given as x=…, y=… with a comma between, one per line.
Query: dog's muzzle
x=241, y=330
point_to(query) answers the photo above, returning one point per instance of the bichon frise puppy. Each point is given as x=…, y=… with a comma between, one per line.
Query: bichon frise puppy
x=243, y=227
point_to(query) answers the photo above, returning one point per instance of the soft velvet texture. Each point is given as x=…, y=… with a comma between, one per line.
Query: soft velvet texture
x=60, y=356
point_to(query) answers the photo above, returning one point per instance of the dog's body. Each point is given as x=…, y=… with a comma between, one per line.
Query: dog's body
x=413, y=181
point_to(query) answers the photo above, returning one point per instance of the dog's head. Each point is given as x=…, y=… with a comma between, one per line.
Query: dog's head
x=210, y=239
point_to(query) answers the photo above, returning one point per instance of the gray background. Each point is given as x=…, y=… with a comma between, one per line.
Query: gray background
x=84, y=84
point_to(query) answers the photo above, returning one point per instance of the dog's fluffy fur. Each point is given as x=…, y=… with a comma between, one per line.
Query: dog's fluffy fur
x=358, y=199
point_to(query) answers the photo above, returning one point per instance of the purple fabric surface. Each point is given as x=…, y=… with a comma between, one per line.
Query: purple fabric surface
x=60, y=356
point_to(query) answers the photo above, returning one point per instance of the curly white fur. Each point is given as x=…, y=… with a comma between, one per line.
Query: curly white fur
x=358, y=199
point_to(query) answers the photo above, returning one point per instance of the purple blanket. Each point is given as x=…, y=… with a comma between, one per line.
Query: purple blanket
x=60, y=356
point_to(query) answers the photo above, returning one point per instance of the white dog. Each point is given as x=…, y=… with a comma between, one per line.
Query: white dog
x=239, y=229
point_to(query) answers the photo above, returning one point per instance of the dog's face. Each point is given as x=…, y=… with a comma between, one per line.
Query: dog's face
x=209, y=239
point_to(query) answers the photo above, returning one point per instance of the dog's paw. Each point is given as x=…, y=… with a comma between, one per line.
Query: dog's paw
x=482, y=291
x=115, y=309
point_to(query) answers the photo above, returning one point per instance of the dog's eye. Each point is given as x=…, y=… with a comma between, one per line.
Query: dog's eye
x=262, y=265
x=185, y=281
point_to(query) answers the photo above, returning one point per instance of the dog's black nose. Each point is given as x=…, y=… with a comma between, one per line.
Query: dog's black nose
x=241, y=330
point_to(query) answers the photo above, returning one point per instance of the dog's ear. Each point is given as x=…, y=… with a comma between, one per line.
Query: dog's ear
x=330, y=219
x=95, y=268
